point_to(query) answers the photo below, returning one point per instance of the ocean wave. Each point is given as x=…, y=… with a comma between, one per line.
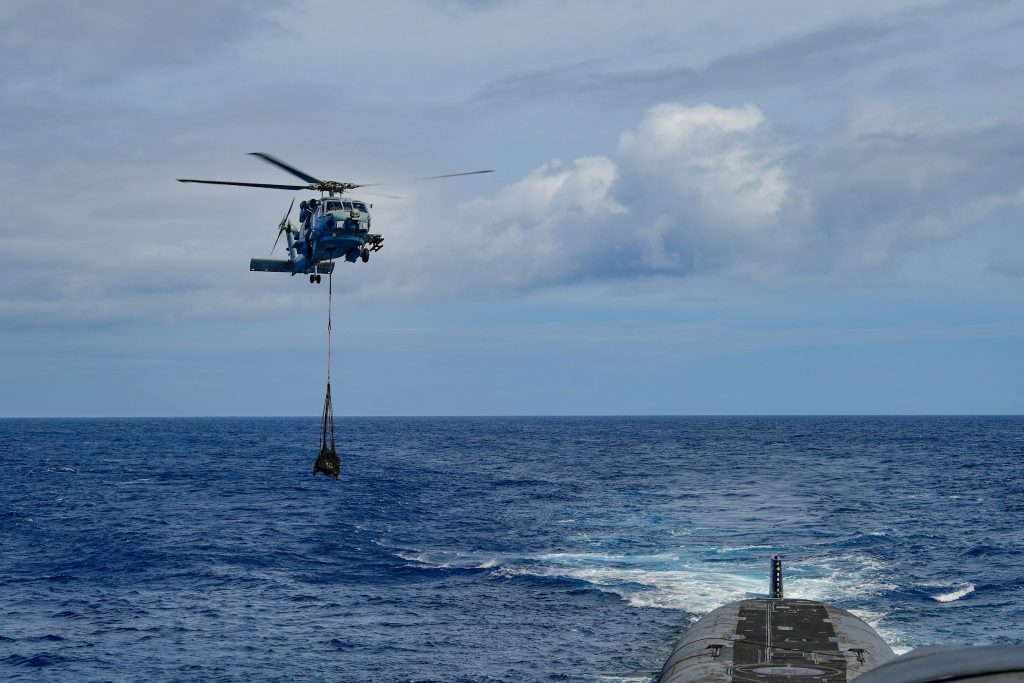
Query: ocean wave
x=36, y=661
x=450, y=559
x=955, y=594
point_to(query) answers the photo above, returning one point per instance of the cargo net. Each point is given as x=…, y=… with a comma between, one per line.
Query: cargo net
x=328, y=461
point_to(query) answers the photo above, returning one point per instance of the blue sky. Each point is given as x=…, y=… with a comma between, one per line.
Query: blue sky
x=699, y=208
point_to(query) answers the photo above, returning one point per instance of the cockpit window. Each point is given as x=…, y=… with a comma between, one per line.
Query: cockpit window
x=337, y=205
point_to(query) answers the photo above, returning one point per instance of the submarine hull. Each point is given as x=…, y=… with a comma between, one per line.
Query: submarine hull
x=774, y=640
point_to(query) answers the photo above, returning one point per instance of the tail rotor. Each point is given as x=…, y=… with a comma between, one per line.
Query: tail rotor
x=283, y=225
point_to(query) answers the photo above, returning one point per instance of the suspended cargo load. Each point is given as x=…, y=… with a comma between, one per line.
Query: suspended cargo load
x=328, y=461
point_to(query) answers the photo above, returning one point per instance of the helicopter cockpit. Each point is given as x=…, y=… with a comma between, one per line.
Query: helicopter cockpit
x=340, y=213
x=343, y=204
x=338, y=205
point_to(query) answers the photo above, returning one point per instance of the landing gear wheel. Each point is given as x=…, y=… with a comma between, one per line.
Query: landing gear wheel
x=318, y=278
x=366, y=255
x=312, y=279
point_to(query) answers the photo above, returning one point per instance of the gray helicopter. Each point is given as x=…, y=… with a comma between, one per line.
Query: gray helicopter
x=331, y=227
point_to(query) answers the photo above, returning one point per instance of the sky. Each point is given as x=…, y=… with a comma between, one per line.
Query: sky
x=738, y=207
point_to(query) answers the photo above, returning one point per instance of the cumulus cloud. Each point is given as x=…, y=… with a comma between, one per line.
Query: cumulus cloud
x=712, y=179
x=690, y=189
x=714, y=155
x=717, y=190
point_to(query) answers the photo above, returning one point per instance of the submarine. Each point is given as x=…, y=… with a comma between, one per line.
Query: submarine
x=784, y=640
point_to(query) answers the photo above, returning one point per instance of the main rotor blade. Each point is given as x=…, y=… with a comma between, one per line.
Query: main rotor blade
x=291, y=169
x=224, y=182
x=429, y=177
x=381, y=194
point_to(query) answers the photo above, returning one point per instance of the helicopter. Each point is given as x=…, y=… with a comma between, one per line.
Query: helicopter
x=332, y=226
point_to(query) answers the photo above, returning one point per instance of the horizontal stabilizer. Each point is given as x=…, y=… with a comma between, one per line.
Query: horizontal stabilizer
x=267, y=265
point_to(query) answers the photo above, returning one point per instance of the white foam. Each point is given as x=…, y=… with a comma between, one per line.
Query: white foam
x=739, y=548
x=450, y=559
x=660, y=580
x=845, y=578
x=893, y=637
x=952, y=595
x=686, y=581
x=588, y=559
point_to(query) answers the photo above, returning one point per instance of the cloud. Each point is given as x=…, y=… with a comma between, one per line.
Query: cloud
x=877, y=46
x=106, y=102
x=533, y=233
x=882, y=190
x=720, y=163
x=1010, y=264
x=689, y=190
x=717, y=190
x=807, y=58
x=109, y=40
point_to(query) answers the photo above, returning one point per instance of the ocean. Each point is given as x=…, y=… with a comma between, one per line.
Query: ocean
x=487, y=549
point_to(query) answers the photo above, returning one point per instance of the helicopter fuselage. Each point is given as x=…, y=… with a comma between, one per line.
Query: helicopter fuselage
x=329, y=228
x=332, y=228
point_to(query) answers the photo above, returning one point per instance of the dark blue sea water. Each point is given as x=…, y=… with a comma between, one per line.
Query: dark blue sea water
x=486, y=549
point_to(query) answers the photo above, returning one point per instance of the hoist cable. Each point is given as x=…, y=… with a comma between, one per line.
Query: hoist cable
x=330, y=305
x=328, y=408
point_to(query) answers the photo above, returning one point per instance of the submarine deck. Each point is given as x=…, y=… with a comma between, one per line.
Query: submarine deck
x=775, y=640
